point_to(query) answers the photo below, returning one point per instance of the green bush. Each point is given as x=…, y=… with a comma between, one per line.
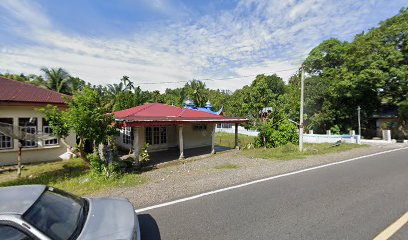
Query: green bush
x=100, y=168
x=335, y=130
x=96, y=164
x=144, y=156
x=277, y=133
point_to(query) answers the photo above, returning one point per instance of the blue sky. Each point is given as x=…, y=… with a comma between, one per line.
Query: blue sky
x=156, y=41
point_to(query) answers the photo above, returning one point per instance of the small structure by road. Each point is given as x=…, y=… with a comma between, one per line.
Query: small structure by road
x=163, y=127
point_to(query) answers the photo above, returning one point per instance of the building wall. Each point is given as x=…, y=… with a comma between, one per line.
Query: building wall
x=197, y=138
x=40, y=153
x=192, y=138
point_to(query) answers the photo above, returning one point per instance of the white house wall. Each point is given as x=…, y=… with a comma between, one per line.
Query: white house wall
x=192, y=138
x=31, y=155
x=197, y=138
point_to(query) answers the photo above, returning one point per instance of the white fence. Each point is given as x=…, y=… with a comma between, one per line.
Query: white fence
x=307, y=138
x=241, y=130
x=322, y=138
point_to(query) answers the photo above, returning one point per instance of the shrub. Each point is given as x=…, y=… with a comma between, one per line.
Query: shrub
x=144, y=156
x=277, y=133
x=335, y=130
x=96, y=164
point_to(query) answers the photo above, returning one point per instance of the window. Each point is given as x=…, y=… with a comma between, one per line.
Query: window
x=11, y=233
x=57, y=214
x=6, y=142
x=224, y=125
x=127, y=137
x=156, y=135
x=28, y=125
x=47, y=130
x=163, y=135
x=148, y=135
x=200, y=127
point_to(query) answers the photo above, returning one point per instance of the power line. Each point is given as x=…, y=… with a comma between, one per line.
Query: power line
x=217, y=79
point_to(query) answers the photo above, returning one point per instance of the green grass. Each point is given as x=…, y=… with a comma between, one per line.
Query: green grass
x=291, y=151
x=228, y=139
x=227, y=166
x=71, y=176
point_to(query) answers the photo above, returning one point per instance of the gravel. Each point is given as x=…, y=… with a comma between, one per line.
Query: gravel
x=184, y=178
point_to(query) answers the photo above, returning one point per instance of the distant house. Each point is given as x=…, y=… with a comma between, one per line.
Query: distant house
x=386, y=117
x=18, y=102
x=265, y=113
x=163, y=127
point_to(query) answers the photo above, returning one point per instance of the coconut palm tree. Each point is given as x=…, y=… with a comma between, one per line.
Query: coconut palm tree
x=197, y=92
x=57, y=80
x=127, y=83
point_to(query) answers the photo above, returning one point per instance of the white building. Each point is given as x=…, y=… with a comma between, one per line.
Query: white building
x=163, y=127
x=18, y=104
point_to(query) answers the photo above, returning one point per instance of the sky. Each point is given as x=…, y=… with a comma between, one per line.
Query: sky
x=162, y=44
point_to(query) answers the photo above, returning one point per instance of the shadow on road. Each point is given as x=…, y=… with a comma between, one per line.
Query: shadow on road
x=149, y=229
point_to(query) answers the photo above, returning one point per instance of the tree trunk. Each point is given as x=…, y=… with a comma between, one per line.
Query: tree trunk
x=102, y=153
x=82, y=153
x=20, y=146
x=64, y=141
x=71, y=149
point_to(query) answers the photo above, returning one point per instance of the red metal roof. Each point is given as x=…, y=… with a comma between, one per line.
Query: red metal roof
x=16, y=92
x=157, y=113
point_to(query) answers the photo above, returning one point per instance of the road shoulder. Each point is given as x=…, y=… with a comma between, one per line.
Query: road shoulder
x=220, y=171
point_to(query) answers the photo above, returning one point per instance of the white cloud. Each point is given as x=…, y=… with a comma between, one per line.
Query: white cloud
x=255, y=37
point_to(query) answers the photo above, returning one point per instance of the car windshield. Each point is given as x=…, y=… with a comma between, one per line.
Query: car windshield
x=57, y=214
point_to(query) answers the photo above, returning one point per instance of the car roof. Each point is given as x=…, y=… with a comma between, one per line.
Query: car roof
x=18, y=199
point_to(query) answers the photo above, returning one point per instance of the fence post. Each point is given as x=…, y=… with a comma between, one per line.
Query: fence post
x=386, y=134
x=328, y=132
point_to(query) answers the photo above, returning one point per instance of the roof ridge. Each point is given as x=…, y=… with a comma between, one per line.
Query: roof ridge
x=146, y=106
x=182, y=111
x=31, y=85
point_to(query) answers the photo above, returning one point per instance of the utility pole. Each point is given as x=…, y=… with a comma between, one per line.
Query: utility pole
x=301, y=110
x=359, y=125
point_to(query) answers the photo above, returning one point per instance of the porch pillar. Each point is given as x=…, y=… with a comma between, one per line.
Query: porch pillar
x=136, y=145
x=236, y=136
x=181, y=144
x=16, y=130
x=40, y=131
x=213, y=139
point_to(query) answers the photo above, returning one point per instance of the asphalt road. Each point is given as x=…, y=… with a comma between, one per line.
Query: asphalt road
x=352, y=200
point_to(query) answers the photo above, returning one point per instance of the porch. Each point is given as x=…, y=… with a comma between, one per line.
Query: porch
x=170, y=142
x=174, y=154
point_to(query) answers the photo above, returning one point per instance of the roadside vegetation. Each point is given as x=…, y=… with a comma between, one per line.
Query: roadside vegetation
x=291, y=151
x=286, y=151
x=228, y=140
x=72, y=176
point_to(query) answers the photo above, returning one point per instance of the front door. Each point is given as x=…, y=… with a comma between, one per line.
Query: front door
x=156, y=137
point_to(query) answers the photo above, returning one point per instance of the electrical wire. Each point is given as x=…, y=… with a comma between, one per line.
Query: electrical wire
x=217, y=79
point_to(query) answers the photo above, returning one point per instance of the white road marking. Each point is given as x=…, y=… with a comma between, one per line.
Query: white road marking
x=393, y=228
x=261, y=180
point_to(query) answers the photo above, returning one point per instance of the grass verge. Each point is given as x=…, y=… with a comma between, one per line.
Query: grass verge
x=291, y=151
x=227, y=166
x=228, y=139
x=71, y=176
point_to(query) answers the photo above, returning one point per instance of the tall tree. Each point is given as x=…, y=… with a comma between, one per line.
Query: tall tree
x=370, y=71
x=89, y=119
x=57, y=79
x=197, y=91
